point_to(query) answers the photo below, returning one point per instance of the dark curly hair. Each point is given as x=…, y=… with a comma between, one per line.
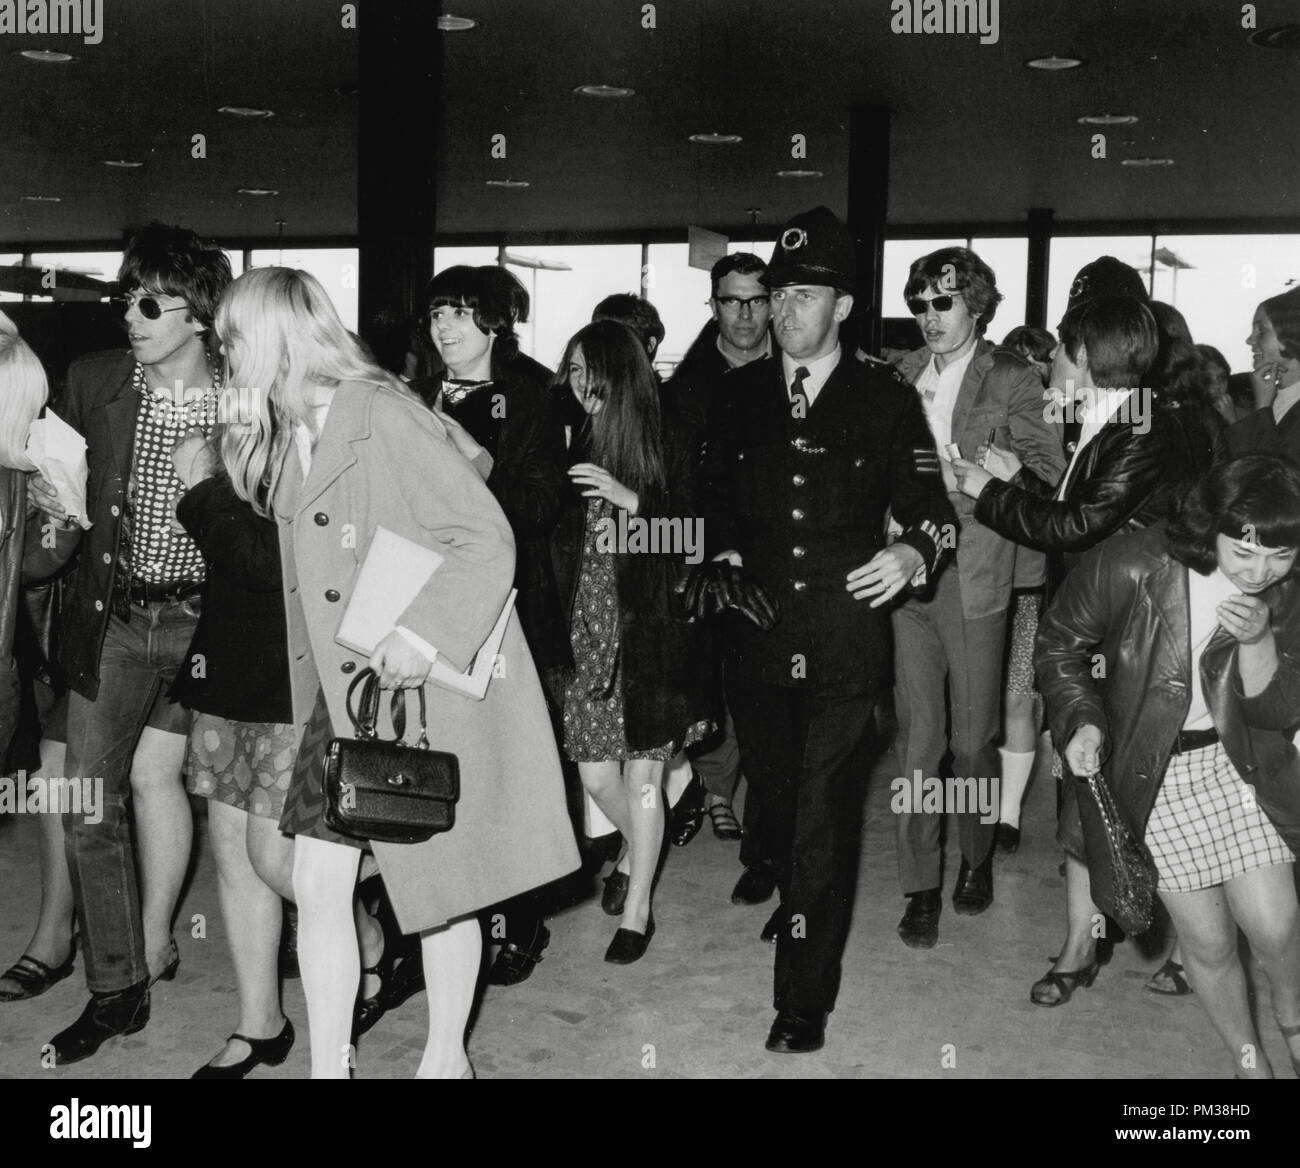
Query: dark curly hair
x=957, y=269
x=1258, y=494
x=176, y=262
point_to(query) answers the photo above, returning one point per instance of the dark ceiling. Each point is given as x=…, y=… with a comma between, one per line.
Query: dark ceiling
x=977, y=137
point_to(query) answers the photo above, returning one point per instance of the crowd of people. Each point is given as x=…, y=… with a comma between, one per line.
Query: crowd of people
x=729, y=574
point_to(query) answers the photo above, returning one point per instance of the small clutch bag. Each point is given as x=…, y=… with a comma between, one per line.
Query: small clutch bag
x=388, y=791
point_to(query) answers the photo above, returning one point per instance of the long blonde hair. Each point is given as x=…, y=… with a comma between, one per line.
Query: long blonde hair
x=282, y=337
x=23, y=391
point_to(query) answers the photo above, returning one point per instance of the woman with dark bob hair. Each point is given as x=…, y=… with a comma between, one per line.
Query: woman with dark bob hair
x=1274, y=343
x=1197, y=626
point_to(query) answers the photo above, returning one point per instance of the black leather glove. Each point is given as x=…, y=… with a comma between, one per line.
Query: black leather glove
x=711, y=588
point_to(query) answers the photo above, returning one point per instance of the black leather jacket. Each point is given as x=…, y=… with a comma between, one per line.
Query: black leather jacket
x=1127, y=601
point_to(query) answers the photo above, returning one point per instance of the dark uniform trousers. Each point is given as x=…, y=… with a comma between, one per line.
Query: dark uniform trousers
x=803, y=500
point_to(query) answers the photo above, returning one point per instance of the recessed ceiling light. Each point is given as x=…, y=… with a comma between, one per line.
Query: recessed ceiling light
x=1146, y=162
x=1054, y=64
x=245, y=111
x=42, y=199
x=122, y=162
x=46, y=56
x=1108, y=120
x=509, y=184
x=449, y=23
x=259, y=192
x=800, y=174
x=604, y=91
x=716, y=139
x=1283, y=36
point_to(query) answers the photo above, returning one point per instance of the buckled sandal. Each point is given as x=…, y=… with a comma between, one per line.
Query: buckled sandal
x=1063, y=985
x=725, y=824
x=1171, y=972
x=35, y=977
x=515, y=963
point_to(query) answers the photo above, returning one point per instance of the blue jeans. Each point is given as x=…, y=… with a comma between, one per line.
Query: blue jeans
x=139, y=661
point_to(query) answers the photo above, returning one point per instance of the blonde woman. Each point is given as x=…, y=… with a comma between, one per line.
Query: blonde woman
x=340, y=449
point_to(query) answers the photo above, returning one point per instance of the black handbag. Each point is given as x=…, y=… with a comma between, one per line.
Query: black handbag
x=388, y=791
x=1129, y=896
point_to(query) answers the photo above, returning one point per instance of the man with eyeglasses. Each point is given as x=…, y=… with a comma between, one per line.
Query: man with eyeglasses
x=737, y=335
x=128, y=619
x=803, y=458
x=950, y=643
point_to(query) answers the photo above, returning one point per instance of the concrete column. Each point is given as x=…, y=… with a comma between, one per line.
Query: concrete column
x=868, y=204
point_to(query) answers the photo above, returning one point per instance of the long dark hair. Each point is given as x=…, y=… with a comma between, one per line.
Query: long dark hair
x=625, y=436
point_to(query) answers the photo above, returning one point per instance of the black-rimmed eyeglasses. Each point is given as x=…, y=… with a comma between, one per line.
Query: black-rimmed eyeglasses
x=739, y=302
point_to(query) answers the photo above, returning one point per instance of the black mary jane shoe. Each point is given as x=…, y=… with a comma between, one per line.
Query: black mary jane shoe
x=614, y=897
x=515, y=962
x=368, y=1011
x=34, y=977
x=271, y=1051
x=628, y=946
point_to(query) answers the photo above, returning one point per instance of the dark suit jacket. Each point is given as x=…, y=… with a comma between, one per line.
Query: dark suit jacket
x=804, y=502
x=1258, y=433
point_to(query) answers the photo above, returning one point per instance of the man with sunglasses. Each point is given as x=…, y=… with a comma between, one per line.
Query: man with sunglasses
x=949, y=644
x=804, y=456
x=128, y=620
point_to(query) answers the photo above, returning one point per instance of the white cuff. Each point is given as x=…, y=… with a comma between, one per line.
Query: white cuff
x=418, y=642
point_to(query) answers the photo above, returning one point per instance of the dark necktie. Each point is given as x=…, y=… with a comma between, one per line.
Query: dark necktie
x=798, y=394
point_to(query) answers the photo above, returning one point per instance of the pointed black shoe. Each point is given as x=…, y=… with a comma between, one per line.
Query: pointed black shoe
x=756, y=884
x=974, y=891
x=687, y=815
x=271, y=1051
x=106, y=1016
x=919, y=927
x=627, y=946
x=793, y=1033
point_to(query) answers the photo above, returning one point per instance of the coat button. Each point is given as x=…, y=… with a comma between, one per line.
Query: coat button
x=321, y=519
x=800, y=585
x=797, y=513
x=331, y=594
x=348, y=666
x=99, y=606
x=799, y=552
x=115, y=510
x=108, y=559
x=798, y=480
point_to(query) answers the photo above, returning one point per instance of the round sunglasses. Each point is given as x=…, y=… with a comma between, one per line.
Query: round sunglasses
x=149, y=307
x=918, y=305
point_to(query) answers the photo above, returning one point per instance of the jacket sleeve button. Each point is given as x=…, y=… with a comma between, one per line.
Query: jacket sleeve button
x=321, y=518
x=331, y=594
x=348, y=666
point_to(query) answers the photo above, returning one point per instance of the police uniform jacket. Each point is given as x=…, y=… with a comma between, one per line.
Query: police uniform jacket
x=804, y=501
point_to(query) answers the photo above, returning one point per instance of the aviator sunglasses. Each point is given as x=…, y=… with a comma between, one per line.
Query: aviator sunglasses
x=918, y=305
x=149, y=307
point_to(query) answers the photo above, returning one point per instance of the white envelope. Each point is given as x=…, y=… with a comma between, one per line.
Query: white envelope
x=59, y=453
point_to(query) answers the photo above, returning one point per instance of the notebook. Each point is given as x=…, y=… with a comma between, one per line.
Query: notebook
x=393, y=573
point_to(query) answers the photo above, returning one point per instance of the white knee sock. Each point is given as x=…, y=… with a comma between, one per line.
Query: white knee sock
x=1017, y=766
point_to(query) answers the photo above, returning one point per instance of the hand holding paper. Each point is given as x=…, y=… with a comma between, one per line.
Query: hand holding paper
x=59, y=453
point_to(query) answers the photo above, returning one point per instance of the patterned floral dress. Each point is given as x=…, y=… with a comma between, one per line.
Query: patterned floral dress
x=593, y=698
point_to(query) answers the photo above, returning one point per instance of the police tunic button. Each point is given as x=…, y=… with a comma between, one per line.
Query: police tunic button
x=115, y=510
x=321, y=518
x=798, y=480
x=800, y=585
x=108, y=559
x=348, y=666
x=797, y=513
x=99, y=606
x=799, y=553
x=331, y=594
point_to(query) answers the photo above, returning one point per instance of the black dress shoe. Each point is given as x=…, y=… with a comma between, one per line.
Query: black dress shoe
x=775, y=923
x=516, y=962
x=1007, y=838
x=271, y=1051
x=687, y=815
x=614, y=897
x=974, y=891
x=405, y=979
x=628, y=946
x=755, y=885
x=919, y=927
x=793, y=1033
x=106, y=1016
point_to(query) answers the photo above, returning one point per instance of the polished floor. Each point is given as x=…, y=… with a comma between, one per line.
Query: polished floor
x=698, y=1005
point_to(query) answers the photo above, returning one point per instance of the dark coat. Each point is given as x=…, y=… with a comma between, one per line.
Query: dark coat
x=1259, y=433
x=238, y=662
x=100, y=405
x=1127, y=600
x=665, y=658
x=1124, y=479
x=689, y=391
x=514, y=420
x=804, y=502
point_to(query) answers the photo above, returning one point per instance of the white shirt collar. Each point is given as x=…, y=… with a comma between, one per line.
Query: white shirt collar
x=819, y=371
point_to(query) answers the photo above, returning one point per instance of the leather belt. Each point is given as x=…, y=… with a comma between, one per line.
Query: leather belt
x=142, y=593
x=1189, y=740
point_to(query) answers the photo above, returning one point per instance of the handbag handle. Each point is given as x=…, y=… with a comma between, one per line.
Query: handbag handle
x=364, y=721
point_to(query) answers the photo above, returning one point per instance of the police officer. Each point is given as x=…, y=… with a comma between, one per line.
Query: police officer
x=804, y=457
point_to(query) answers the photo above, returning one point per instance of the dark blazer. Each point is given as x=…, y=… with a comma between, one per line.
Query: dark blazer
x=1127, y=600
x=804, y=502
x=99, y=405
x=689, y=391
x=667, y=676
x=238, y=662
x=1259, y=433
x=514, y=420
